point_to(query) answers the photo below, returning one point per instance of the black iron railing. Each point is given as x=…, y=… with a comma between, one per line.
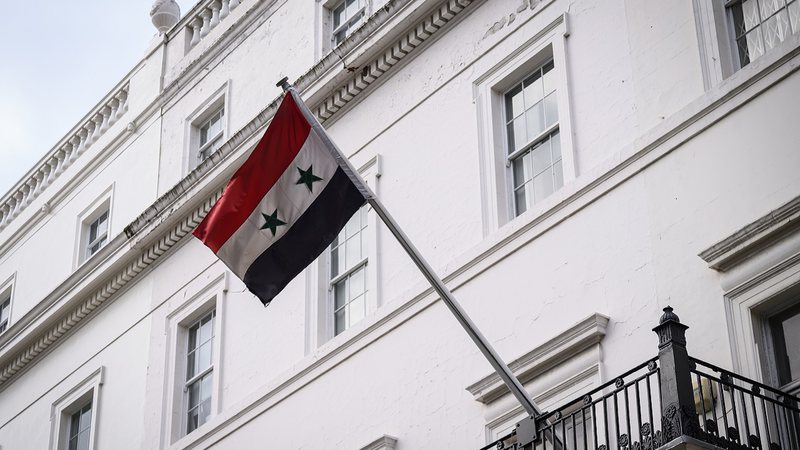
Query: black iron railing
x=736, y=412
x=664, y=398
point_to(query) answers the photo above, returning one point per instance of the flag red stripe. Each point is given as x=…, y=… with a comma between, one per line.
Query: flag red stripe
x=271, y=157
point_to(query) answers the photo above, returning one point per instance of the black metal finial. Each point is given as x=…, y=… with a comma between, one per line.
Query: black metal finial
x=284, y=84
x=669, y=315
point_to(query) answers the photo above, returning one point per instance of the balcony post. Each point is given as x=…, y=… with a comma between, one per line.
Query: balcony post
x=678, y=415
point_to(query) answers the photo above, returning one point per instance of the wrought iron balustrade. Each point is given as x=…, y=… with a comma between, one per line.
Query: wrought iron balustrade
x=667, y=397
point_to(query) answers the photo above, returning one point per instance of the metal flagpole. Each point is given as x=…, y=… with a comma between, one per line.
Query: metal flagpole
x=500, y=367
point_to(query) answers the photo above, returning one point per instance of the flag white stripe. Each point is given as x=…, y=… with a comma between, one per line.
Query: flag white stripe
x=289, y=198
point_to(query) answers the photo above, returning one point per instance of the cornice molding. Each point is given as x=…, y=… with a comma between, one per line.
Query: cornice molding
x=71, y=318
x=754, y=237
x=384, y=442
x=570, y=342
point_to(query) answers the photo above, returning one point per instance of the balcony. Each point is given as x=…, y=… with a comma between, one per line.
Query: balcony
x=669, y=401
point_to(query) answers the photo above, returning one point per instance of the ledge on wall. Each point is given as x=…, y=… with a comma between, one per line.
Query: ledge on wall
x=570, y=342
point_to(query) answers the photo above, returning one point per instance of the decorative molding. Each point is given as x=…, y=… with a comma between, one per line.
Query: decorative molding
x=754, y=237
x=333, y=103
x=384, y=442
x=65, y=153
x=208, y=16
x=369, y=73
x=570, y=342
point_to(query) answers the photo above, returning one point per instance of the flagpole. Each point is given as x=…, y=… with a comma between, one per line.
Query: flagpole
x=447, y=297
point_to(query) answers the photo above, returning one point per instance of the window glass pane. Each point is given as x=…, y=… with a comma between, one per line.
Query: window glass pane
x=83, y=441
x=558, y=175
x=520, y=138
x=357, y=309
x=194, y=394
x=357, y=282
x=515, y=105
x=535, y=120
x=549, y=78
x=551, y=109
x=791, y=335
x=768, y=7
x=352, y=7
x=86, y=417
x=776, y=29
x=555, y=143
x=520, y=170
x=541, y=157
x=542, y=185
x=353, y=250
x=204, y=356
x=750, y=14
x=203, y=135
x=206, y=329
x=340, y=294
x=520, y=202
x=340, y=324
x=191, y=421
x=533, y=89
x=754, y=47
x=338, y=15
x=75, y=424
x=337, y=261
x=794, y=16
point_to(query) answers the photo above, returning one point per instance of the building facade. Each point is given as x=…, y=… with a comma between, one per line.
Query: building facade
x=568, y=167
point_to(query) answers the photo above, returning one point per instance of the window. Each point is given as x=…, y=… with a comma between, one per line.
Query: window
x=784, y=328
x=195, y=331
x=342, y=286
x=760, y=25
x=97, y=234
x=347, y=16
x=199, y=371
x=348, y=272
x=80, y=425
x=524, y=128
x=534, y=146
x=5, y=309
x=210, y=131
x=74, y=421
x=94, y=226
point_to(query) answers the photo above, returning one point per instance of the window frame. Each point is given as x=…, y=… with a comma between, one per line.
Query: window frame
x=218, y=101
x=201, y=375
x=6, y=296
x=530, y=145
x=319, y=319
x=350, y=24
x=86, y=391
x=512, y=66
x=203, y=296
x=749, y=308
x=104, y=205
x=731, y=28
x=325, y=31
x=347, y=274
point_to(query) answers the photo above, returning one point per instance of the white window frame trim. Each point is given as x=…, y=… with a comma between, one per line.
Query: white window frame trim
x=323, y=42
x=207, y=297
x=104, y=202
x=319, y=316
x=62, y=409
x=219, y=99
x=8, y=287
x=489, y=89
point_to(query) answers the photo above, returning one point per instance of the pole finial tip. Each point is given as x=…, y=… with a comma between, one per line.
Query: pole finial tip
x=284, y=84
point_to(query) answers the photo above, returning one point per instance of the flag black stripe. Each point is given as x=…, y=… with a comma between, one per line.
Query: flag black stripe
x=306, y=239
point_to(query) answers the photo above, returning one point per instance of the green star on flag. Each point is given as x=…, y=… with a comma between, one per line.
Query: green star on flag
x=307, y=177
x=272, y=222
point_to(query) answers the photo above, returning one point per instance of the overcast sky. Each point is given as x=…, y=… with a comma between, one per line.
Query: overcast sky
x=59, y=57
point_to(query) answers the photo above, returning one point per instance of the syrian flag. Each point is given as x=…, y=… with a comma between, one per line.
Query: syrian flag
x=283, y=206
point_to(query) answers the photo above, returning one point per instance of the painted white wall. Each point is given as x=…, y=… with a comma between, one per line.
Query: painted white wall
x=625, y=253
